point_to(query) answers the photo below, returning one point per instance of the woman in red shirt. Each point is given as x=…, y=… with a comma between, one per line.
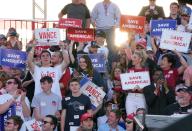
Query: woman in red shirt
x=135, y=98
x=172, y=74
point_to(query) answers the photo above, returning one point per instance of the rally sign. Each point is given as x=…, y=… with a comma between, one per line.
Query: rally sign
x=175, y=40
x=33, y=125
x=3, y=117
x=98, y=61
x=95, y=93
x=132, y=23
x=157, y=26
x=13, y=58
x=70, y=22
x=80, y=35
x=133, y=79
x=47, y=36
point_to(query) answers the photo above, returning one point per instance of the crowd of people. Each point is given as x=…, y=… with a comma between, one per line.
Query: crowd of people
x=49, y=89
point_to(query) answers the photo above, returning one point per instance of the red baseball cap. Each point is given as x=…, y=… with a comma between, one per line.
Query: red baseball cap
x=85, y=116
x=141, y=42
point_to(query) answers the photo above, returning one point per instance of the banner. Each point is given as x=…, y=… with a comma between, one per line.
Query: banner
x=175, y=40
x=132, y=23
x=70, y=22
x=98, y=61
x=157, y=26
x=46, y=36
x=95, y=93
x=33, y=125
x=133, y=79
x=13, y=58
x=3, y=117
x=80, y=35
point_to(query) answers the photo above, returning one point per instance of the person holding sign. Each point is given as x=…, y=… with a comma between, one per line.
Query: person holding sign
x=77, y=10
x=135, y=98
x=74, y=105
x=45, y=69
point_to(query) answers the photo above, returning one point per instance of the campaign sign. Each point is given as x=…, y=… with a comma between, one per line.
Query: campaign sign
x=47, y=36
x=33, y=125
x=98, y=61
x=80, y=35
x=133, y=79
x=70, y=22
x=3, y=117
x=13, y=58
x=95, y=93
x=175, y=40
x=132, y=23
x=157, y=26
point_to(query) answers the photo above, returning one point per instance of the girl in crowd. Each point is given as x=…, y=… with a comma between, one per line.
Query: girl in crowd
x=85, y=69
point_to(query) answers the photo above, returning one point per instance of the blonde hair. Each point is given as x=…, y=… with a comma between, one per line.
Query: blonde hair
x=141, y=54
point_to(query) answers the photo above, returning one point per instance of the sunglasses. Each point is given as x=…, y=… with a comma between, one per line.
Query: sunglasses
x=11, y=82
x=8, y=123
x=45, y=122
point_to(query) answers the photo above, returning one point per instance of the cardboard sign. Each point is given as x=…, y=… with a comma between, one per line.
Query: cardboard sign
x=95, y=93
x=33, y=125
x=3, y=117
x=80, y=35
x=132, y=23
x=50, y=36
x=157, y=26
x=174, y=40
x=13, y=58
x=133, y=79
x=70, y=22
x=98, y=61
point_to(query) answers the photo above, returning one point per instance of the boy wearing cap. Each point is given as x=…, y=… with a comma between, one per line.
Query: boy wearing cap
x=183, y=104
x=86, y=122
x=98, y=46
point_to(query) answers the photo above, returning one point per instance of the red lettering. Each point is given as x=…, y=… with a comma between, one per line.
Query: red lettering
x=47, y=35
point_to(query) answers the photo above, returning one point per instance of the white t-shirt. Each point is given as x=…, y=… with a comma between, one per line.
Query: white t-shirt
x=19, y=111
x=54, y=72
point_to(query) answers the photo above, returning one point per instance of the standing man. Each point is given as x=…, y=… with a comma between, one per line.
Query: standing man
x=77, y=10
x=174, y=12
x=152, y=11
x=74, y=105
x=106, y=16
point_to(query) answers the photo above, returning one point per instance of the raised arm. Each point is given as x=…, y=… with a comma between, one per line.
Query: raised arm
x=30, y=60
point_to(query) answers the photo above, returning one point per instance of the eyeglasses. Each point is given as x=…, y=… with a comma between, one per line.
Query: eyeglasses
x=11, y=82
x=152, y=0
x=45, y=122
x=8, y=123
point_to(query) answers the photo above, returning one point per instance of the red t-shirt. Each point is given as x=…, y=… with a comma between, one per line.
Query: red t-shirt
x=171, y=76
